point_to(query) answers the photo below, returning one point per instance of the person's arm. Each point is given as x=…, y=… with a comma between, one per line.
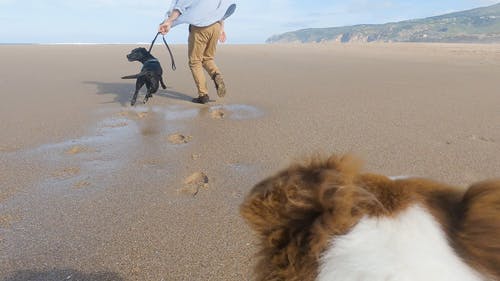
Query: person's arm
x=178, y=8
x=222, y=37
x=167, y=24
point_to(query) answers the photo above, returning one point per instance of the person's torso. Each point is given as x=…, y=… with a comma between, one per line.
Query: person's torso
x=205, y=12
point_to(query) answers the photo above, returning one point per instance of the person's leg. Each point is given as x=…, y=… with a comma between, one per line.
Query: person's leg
x=213, y=33
x=196, y=48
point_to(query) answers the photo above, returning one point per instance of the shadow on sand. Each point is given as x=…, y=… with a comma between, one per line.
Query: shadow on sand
x=62, y=274
x=122, y=92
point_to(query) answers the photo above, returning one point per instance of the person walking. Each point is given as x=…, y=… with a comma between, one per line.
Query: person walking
x=206, y=27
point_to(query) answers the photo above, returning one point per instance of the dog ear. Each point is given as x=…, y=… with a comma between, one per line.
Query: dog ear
x=295, y=198
x=275, y=203
x=480, y=225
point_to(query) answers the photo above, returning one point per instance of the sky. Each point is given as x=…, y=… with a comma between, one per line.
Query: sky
x=133, y=21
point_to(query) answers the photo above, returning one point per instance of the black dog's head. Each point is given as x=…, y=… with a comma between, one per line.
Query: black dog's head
x=139, y=54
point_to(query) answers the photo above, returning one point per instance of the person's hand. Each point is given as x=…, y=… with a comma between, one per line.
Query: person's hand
x=165, y=27
x=222, y=37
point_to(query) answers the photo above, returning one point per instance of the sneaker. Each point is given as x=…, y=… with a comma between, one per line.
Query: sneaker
x=219, y=84
x=201, y=99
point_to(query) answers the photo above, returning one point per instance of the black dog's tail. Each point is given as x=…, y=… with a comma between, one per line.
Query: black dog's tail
x=135, y=76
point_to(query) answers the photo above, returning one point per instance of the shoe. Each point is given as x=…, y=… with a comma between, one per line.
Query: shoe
x=219, y=84
x=201, y=99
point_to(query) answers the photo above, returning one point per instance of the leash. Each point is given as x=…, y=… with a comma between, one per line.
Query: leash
x=168, y=48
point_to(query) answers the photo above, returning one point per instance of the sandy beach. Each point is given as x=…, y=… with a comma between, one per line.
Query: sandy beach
x=93, y=189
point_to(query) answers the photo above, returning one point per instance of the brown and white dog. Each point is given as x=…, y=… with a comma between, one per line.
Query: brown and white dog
x=326, y=221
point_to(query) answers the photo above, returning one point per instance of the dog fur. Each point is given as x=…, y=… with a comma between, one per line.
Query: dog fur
x=300, y=213
x=151, y=73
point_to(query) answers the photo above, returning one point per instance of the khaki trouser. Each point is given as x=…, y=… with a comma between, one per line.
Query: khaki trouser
x=202, y=44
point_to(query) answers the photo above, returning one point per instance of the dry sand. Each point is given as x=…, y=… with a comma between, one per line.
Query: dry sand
x=90, y=186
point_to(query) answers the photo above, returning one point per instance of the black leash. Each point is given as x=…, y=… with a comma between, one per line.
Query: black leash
x=168, y=48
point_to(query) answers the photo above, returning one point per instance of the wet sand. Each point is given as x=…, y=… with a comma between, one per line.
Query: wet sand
x=93, y=189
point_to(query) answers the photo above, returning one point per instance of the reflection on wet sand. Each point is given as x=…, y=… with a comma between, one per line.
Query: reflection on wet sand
x=130, y=169
x=121, y=139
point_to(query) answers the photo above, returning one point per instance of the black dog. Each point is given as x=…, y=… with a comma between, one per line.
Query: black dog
x=150, y=75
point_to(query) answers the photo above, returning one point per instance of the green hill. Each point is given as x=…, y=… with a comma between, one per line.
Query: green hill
x=481, y=25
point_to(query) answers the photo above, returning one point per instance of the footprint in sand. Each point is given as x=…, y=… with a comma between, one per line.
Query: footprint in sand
x=76, y=149
x=7, y=220
x=141, y=115
x=217, y=114
x=235, y=112
x=66, y=172
x=81, y=184
x=123, y=114
x=6, y=194
x=133, y=114
x=194, y=183
x=8, y=148
x=198, y=178
x=481, y=138
x=117, y=125
x=149, y=130
x=179, y=139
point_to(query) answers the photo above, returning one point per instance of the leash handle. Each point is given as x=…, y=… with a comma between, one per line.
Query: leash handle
x=168, y=48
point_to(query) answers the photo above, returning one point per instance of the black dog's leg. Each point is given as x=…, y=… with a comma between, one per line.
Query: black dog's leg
x=148, y=95
x=162, y=84
x=138, y=86
x=152, y=84
x=134, y=98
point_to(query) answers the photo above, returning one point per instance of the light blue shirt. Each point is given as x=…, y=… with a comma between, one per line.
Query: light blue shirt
x=202, y=12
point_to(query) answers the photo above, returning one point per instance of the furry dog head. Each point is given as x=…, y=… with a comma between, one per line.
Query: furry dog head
x=327, y=221
x=139, y=54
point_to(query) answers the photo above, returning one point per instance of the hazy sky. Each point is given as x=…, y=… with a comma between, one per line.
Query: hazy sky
x=131, y=21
